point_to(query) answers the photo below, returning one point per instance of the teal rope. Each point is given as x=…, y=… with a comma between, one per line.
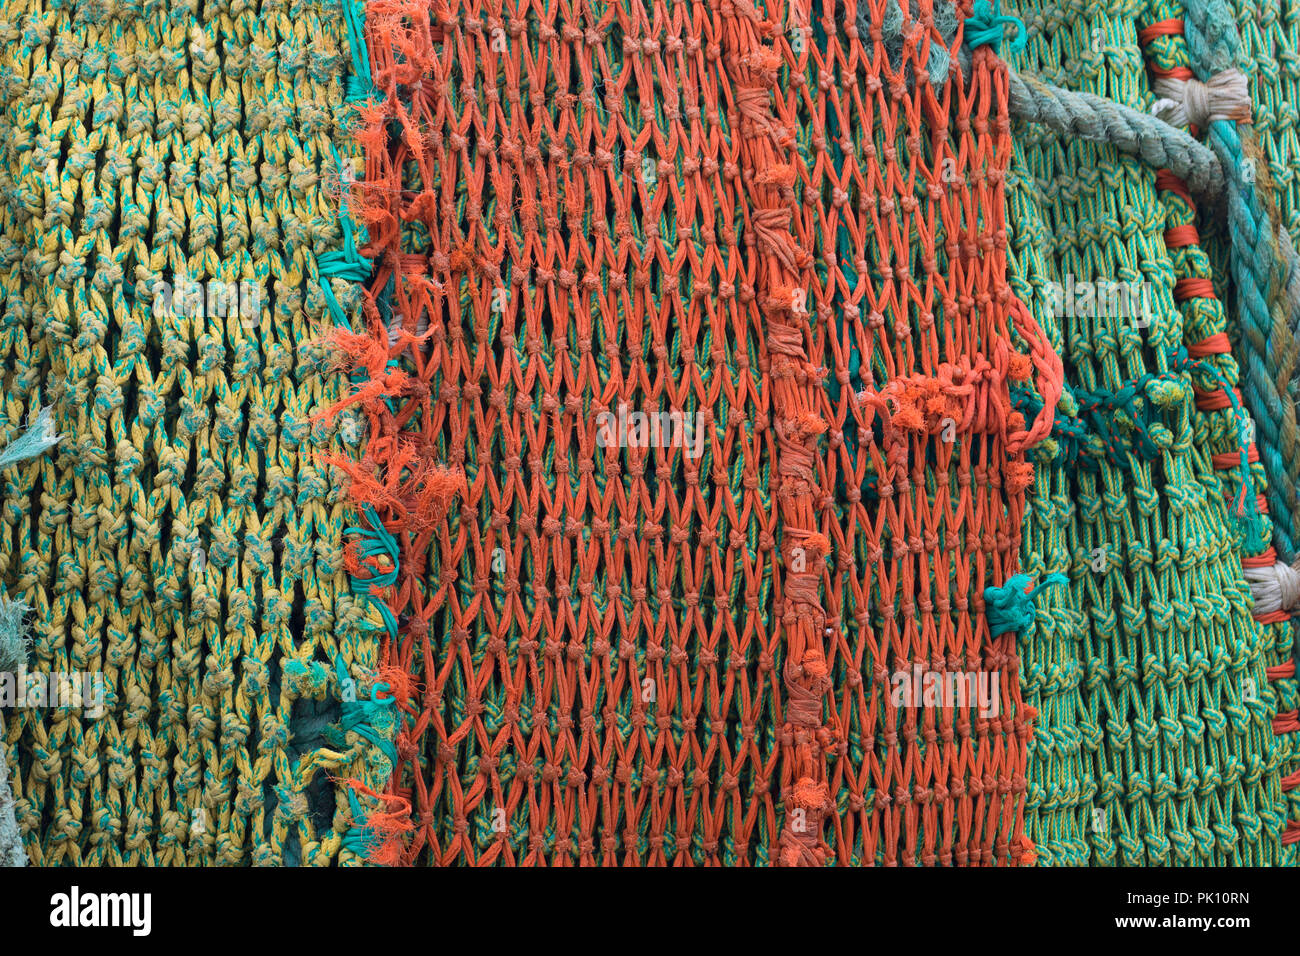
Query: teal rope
x=1096, y=418
x=361, y=838
x=348, y=264
x=360, y=84
x=1100, y=407
x=1259, y=275
x=1011, y=607
x=986, y=27
x=374, y=719
x=1097, y=409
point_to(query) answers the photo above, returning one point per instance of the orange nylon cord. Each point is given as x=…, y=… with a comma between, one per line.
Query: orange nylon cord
x=526, y=284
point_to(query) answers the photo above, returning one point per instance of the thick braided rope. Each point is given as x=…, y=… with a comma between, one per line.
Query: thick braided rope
x=1270, y=36
x=1269, y=351
x=1101, y=120
x=1095, y=118
x=1270, y=42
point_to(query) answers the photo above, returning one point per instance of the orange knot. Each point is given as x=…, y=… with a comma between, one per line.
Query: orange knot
x=1029, y=852
x=781, y=174
x=1018, y=475
x=817, y=542
x=784, y=299
x=808, y=425
x=801, y=843
x=801, y=849
x=763, y=61
x=399, y=681
x=923, y=403
x=1020, y=367
x=909, y=417
x=811, y=795
x=462, y=258
x=363, y=569
x=422, y=207
x=814, y=663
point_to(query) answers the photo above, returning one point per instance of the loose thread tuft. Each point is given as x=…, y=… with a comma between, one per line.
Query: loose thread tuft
x=377, y=836
x=39, y=438
x=15, y=634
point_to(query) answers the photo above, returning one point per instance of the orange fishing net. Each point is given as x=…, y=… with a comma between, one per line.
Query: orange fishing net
x=689, y=352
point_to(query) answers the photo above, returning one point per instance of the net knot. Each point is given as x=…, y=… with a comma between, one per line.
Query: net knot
x=1189, y=102
x=1011, y=607
x=986, y=27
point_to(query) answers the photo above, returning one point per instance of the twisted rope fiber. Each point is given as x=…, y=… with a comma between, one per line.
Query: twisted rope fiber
x=1269, y=41
x=1189, y=102
x=1266, y=42
x=1268, y=341
x=1102, y=120
x=1265, y=572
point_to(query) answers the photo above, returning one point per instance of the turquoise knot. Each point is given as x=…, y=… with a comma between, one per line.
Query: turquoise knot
x=986, y=28
x=374, y=719
x=1011, y=607
x=1100, y=407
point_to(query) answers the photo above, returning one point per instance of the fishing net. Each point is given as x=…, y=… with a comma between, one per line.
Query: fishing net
x=643, y=434
x=696, y=645
x=1156, y=739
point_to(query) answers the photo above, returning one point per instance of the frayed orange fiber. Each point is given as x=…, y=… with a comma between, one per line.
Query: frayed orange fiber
x=387, y=828
x=415, y=491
